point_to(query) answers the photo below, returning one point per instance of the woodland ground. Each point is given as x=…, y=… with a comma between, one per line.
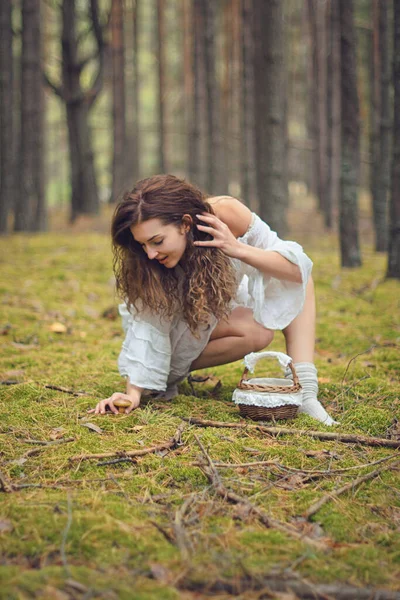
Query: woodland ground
x=155, y=527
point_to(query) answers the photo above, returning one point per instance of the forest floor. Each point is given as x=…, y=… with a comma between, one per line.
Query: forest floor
x=173, y=523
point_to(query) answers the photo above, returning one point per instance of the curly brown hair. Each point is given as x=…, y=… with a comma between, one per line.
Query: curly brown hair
x=210, y=282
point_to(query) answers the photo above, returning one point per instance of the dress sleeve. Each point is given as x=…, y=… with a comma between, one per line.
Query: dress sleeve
x=146, y=352
x=275, y=302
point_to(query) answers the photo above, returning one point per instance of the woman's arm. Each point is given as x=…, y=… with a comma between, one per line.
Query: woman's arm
x=232, y=220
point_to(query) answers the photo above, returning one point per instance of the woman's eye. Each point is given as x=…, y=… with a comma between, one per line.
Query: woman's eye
x=158, y=243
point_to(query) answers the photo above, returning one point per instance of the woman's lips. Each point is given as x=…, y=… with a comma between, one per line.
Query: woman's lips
x=161, y=260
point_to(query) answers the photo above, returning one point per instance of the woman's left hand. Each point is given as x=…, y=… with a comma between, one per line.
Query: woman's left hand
x=223, y=237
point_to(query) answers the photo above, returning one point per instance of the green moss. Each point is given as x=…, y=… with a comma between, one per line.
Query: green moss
x=113, y=544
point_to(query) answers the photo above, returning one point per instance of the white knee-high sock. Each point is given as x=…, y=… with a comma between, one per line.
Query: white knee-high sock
x=308, y=377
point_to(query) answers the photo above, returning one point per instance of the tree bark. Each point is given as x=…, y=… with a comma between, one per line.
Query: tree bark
x=84, y=198
x=135, y=142
x=333, y=113
x=350, y=140
x=270, y=113
x=248, y=150
x=382, y=189
x=197, y=150
x=375, y=111
x=119, y=164
x=318, y=121
x=393, y=270
x=7, y=191
x=30, y=210
x=161, y=85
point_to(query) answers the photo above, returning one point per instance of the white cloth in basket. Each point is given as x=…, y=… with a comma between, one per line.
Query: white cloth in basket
x=266, y=399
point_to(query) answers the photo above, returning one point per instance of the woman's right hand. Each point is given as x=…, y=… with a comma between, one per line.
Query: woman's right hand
x=109, y=402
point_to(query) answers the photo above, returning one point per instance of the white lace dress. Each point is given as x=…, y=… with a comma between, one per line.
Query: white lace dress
x=157, y=353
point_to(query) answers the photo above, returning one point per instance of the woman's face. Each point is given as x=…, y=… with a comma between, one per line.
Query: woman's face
x=165, y=243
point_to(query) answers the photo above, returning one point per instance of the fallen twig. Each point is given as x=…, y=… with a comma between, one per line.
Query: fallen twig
x=50, y=443
x=273, y=463
x=65, y=390
x=272, y=583
x=181, y=537
x=171, y=444
x=6, y=485
x=314, y=508
x=321, y=435
x=212, y=475
x=115, y=461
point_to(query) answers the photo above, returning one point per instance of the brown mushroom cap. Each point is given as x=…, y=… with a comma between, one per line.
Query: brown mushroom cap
x=122, y=404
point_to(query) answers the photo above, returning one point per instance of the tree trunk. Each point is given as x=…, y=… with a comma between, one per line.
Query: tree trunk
x=394, y=228
x=7, y=181
x=382, y=188
x=316, y=12
x=135, y=142
x=215, y=171
x=333, y=113
x=375, y=111
x=85, y=199
x=119, y=164
x=248, y=150
x=350, y=140
x=270, y=113
x=161, y=39
x=30, y=210
x=197, y=151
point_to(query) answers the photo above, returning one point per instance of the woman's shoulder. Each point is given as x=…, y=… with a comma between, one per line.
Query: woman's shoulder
x=233, y=213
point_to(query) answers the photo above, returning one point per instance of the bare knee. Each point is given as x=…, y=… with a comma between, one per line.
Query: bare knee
x=260, y=337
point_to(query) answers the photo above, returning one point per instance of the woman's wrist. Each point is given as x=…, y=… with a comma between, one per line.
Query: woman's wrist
x=133, y=390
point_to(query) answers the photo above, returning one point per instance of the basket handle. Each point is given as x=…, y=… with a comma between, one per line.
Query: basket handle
x=250, y=361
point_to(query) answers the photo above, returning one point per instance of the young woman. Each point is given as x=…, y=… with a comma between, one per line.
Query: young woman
x=205, y=281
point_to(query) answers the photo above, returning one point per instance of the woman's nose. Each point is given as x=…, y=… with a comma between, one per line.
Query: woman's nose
x=151, y=253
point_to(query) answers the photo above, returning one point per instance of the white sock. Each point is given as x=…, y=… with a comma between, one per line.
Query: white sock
x=308, y=377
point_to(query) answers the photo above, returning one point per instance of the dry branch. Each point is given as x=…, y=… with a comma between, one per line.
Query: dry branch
x=212, y=475
x=65, y=390
x=171, y=444
x=49, y=443
x=273, y=463
x=274, y=584
x=346, y=438
x=314, y=508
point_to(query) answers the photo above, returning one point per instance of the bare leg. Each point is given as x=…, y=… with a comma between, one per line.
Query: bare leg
x=300, y=334
x=232, y=339
x=300, y=343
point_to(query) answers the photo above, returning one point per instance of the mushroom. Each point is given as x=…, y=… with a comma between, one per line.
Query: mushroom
x=122, y=405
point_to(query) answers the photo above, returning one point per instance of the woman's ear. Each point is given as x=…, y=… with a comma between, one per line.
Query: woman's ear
x=187, y=223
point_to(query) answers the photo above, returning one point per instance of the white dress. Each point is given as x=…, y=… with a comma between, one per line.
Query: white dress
x=158, y=352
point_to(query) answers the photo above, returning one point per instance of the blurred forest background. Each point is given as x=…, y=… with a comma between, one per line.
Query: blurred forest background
x=265, y=100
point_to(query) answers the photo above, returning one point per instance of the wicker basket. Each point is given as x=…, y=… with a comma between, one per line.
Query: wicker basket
x=268, y=399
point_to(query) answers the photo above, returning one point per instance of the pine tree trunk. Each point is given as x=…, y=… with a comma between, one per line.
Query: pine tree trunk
x=161, y=85
x=318, y=93
x=135, y=142
x=350, y=140
x=394, y=227
x=7, y=181
x=30, y=210
x=84, y=198
x=375, y=111
x=197, y=130
x=270, y=113
x=214, y=160
x=119, y=163
x=333, y=113
x=248, y=150
x=385, y=121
